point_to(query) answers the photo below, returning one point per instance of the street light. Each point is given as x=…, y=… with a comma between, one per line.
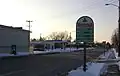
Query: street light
x=71, y=39
x=118, y=6
x=112, y=4
x=70, y=35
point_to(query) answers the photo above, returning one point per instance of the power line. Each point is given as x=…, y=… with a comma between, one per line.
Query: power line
x=115, y=1
x=112, y=1
x=87, y=8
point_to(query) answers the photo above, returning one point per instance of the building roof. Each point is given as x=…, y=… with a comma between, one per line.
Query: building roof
x=56, y=41
x=11, y=27
x=48, y=41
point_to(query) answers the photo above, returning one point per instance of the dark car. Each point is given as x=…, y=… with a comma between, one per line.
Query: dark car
x=39, y=47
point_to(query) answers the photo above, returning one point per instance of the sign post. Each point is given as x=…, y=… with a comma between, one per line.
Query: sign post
x=85, y=34
x=84, y=66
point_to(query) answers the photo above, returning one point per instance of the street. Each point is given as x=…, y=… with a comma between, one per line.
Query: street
x=44, y=65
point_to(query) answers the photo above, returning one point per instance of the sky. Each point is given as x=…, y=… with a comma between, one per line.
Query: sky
x=60, y=15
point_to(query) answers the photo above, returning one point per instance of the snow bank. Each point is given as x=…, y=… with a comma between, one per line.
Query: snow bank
x=94, y=69
x=18, y=54
x=42, y=52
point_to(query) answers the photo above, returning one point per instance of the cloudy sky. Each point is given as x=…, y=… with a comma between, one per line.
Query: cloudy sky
x=59, y=15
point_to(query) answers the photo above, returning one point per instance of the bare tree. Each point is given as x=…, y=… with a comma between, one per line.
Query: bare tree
x=53, y=36
x=60, y=36
x=42, y=39
x=33, y=39
x=114, y=38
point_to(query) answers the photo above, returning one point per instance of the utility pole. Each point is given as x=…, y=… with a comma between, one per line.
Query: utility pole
x=29, y=32
x=70, y=41
x=29, y=23
x=40, y=36
x=118, y=6
x=119, y=29
x=70, y=36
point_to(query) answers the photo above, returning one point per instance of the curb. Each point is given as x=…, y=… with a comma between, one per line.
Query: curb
x=18, y=56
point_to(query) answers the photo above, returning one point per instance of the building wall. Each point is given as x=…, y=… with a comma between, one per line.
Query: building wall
x=9, y=36
x=50, y=44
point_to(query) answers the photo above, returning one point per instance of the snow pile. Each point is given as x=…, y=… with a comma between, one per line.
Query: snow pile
x=105, y=56
x=109, y=54
x=18, y=54
x=94, y=69
x=58, y=50
x=115, y=53
x=42, y=52
x=66, y=49
x=118, y=58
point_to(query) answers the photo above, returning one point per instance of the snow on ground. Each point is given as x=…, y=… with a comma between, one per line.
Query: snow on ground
x=42, y=52
x=93, y=69
x=105, y=56
x=66, y=49
x=18, y=54
x=58, y=50
x=116, y=53
x=118, y=58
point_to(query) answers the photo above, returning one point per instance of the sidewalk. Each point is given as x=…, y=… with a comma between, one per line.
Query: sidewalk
x=18, y=54
x=112, y=70
x=94, y=69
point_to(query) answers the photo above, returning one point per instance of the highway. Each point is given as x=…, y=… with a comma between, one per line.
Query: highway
x=44, y=65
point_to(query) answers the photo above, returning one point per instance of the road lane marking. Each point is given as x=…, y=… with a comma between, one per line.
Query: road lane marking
x=13, y=72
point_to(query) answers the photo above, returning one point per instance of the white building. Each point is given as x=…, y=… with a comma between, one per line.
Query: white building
x=13, y=36
x=51, y=44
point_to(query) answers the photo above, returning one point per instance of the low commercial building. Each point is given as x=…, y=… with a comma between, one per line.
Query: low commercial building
x=51, y=44
x=14, y=36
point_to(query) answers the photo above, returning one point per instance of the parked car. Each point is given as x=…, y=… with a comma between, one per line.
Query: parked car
x=39, y=47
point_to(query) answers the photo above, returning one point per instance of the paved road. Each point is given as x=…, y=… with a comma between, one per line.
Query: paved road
x=44, y=65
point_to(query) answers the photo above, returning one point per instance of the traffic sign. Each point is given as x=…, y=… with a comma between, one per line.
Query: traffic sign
x=85, y=29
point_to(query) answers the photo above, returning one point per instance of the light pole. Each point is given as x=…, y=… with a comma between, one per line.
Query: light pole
x=71, y=34
x=118, y=6
x=29, y=21
x=71, y=39
x=40, y=37
x=84, y=66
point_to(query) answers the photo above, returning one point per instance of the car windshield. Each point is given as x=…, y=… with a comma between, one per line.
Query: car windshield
x=39, y=46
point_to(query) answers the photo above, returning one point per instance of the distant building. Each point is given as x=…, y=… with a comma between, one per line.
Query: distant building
x=51, y=44
x=14, y=36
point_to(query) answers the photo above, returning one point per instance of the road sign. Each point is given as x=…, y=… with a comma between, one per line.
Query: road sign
x=85, y=29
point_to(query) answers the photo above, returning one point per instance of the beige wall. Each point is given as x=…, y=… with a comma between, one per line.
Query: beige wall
x=16, y=37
